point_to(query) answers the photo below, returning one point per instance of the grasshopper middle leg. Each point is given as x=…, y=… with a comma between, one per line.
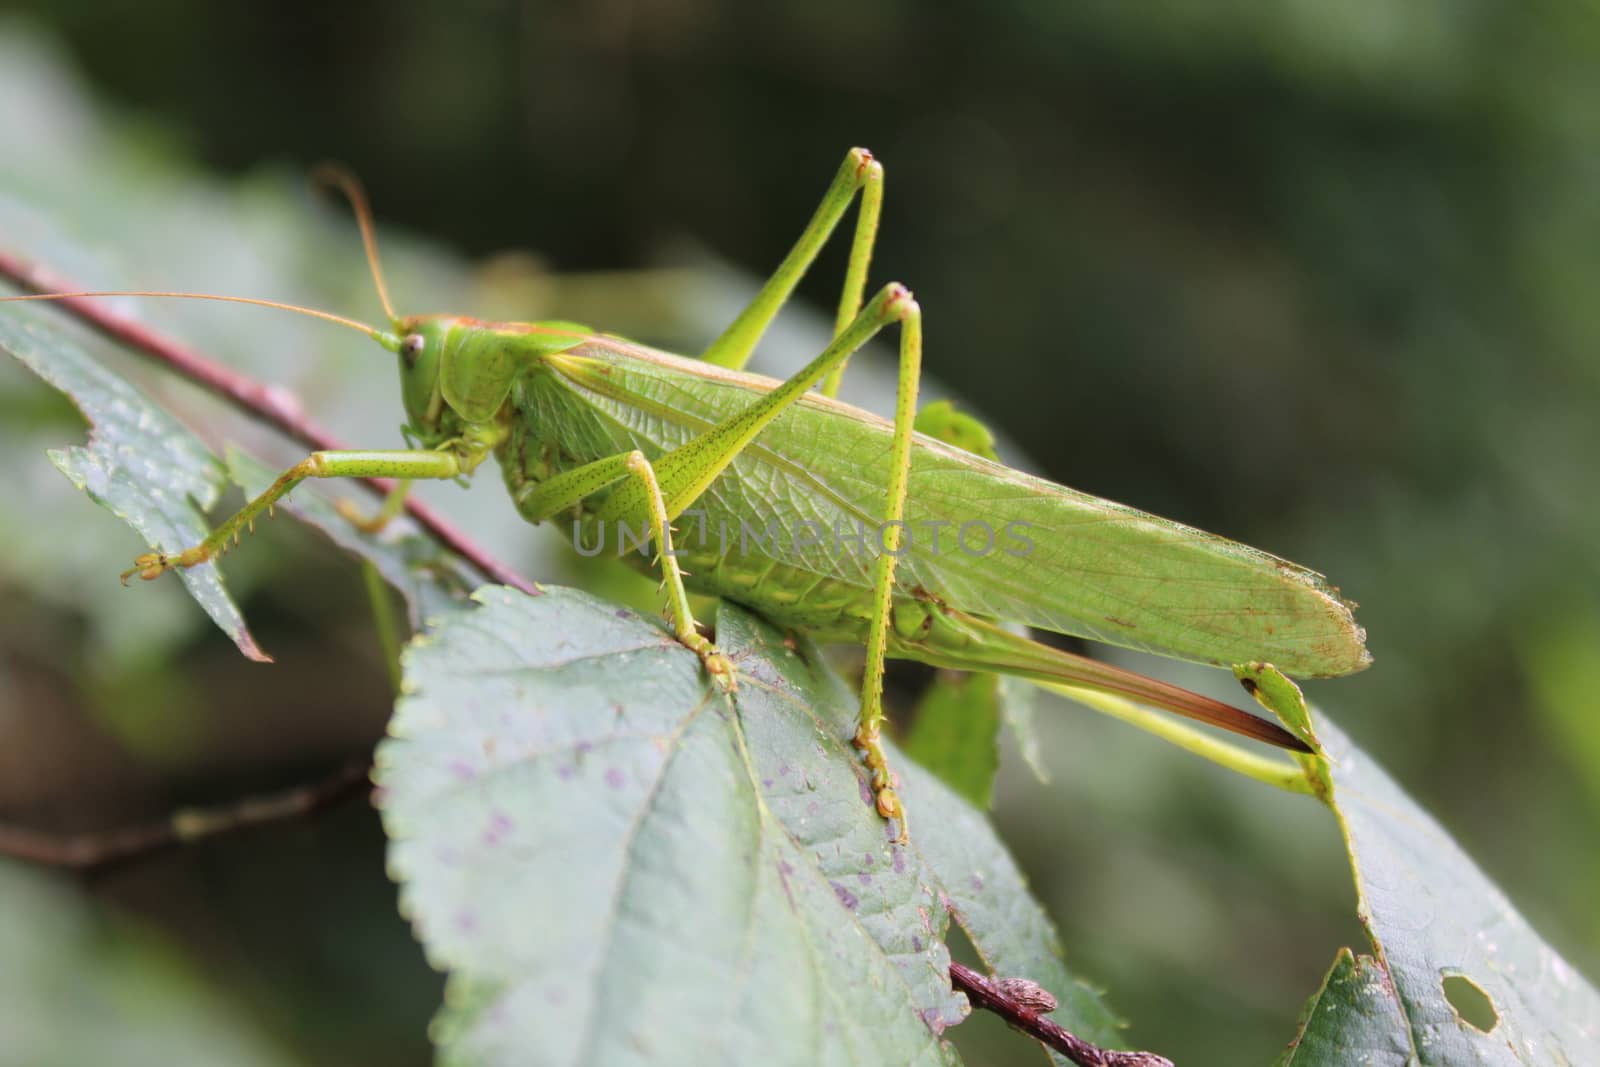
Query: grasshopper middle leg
x=567, y=490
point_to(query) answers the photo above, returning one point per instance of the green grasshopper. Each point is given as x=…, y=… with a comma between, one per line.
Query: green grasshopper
x=595, y=429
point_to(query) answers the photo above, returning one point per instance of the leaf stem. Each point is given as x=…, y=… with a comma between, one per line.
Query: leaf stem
x=383, y=620
x=271, y=404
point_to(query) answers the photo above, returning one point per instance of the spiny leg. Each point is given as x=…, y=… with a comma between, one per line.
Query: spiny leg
x=687, y=471
x=859, y=171
x=567, y=490
x=403, y=464
x=683, y=624
x=869, y=736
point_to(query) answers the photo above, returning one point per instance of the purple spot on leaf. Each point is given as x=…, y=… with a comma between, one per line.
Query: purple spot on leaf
x=899, y=861
x=868, y=858
x=615, y=778
x=864, y=879
x=977, y=883
x=916, y=943
x=565, y=772
x=462, y=770
x=499, y=825
x=847, y=898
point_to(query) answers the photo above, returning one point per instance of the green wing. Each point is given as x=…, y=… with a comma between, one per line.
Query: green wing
x=1059, y=559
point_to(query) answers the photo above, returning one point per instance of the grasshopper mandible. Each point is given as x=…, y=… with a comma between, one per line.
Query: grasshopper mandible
x=589, y=427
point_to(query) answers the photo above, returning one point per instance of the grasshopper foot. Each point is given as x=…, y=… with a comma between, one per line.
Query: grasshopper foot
x=153, y=565
x=870, y=743
x=719, y=666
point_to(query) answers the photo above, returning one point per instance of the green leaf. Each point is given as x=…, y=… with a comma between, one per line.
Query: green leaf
x=617, y=863
x=432, y=580
x=1353, y=1018
x=1019, y=700
x=972, y=873
x=1440, y=930
x=955, y=730
x=141, y=464
x=941, y=420
x=616, y=867
x=82, y=987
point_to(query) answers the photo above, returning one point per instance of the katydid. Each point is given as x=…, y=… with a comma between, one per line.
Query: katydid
x=828, y=519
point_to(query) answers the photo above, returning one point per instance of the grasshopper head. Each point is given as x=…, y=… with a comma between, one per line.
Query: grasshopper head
x=421, y=351
x=455, y=374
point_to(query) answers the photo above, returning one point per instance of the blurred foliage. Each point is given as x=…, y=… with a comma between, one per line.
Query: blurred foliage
x=1317, y=277
x=65, y=965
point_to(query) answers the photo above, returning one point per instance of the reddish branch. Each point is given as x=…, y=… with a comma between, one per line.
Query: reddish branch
x=986, y=993
x=280, y=408
x=270, y=404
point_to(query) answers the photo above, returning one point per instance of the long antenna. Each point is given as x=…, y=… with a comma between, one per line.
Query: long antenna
x=372, y=332
x=347, y=183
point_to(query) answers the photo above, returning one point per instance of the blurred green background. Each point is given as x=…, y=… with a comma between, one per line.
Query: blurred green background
x=1319, y=277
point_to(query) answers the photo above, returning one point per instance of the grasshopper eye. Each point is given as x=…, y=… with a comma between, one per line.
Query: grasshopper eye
x=411, y=347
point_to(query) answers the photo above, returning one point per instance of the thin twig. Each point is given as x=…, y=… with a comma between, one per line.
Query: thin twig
x=985, y=993
x=99, y=849
x=270, y=404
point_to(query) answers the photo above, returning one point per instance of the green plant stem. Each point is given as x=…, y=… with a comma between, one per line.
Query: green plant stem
x=383, y=621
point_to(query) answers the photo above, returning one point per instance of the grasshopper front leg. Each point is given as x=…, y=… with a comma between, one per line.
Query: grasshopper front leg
x=406, y=465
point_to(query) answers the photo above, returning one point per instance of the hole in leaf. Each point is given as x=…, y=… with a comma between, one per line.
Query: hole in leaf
x=1471, y=1004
